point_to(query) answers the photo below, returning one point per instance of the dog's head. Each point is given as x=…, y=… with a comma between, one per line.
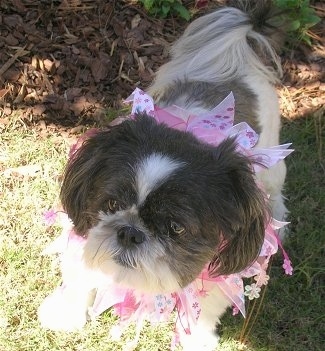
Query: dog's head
x=157, y=205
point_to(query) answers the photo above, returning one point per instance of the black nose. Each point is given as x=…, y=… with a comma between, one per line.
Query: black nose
x=130, y=235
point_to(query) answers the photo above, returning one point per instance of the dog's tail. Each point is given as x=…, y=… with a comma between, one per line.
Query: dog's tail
x=225, y=44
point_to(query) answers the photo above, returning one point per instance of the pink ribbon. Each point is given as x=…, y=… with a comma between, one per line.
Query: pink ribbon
x=211, y=127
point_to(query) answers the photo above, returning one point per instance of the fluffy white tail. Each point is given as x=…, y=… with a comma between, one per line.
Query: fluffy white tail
x=218, y=47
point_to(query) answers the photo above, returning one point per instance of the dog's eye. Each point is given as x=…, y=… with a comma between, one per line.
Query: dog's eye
x=113, y=206
x=177, y=228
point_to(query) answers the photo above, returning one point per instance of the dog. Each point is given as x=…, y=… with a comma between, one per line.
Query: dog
x=155, y=205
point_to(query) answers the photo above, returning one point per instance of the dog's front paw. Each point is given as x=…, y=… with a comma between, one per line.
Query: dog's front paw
x=59, y=314
x=201, y=339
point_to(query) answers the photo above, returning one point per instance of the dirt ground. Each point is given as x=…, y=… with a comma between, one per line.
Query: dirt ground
x=64, y=63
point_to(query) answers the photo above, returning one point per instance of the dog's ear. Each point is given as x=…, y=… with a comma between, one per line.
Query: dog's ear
x=85, y=174
x=242, y=212
x=77, y=184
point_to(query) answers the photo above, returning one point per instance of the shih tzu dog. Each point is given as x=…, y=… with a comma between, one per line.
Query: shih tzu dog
x=155, y=205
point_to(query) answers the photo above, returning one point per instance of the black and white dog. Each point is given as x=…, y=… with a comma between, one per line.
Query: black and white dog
x=155, y=204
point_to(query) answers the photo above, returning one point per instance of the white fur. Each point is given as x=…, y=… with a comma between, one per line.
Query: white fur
x=214, y=49
x=66, y=311
x=270, y=124
x=151, y=172
x=151, y=272
x=203, y=336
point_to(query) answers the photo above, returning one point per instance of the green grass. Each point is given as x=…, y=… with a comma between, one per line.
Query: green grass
x=292, y=314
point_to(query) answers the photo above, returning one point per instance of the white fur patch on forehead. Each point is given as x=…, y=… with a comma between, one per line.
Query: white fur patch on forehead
x=151, y=172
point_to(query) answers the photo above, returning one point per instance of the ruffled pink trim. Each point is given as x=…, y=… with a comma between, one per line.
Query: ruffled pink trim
x=131, y=306
x=211, y=127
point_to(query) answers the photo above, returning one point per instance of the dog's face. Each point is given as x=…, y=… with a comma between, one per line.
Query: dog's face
x=157, y=205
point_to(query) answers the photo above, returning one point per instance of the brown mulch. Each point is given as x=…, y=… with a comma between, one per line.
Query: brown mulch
x=67, y=62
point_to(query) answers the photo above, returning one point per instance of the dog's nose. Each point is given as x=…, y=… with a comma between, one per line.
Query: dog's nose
x=130, y=235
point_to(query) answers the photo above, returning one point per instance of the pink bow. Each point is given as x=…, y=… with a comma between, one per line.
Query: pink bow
x=211, y=127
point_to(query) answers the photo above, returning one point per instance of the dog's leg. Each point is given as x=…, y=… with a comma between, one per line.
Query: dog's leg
x=203, y=337
x=66, y=308
x=270, y=124
x=273, y=180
